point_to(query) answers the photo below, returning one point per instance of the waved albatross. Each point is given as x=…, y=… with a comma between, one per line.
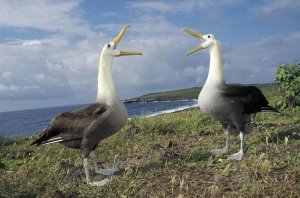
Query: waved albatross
x=232, y=105
x=85, y=127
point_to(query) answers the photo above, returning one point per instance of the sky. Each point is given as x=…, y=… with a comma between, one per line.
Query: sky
x=49, y=50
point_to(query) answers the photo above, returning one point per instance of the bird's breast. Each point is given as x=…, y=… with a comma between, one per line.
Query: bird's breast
x=120, y=114
x=211, y=102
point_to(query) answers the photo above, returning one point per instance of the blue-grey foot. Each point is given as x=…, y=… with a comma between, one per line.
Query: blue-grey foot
x=108, y=171
x=218, y=151
x=99, y=183
x=237, y=156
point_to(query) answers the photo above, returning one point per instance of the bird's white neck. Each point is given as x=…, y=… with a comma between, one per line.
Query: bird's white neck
x=215, y=74
x=106, y=88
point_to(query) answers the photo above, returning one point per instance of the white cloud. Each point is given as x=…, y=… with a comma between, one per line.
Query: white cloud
x=45, y=15
x=255, y=62
x=32, y=42
x=62, y=69
x=278, y=5
x=7, y=75
x=181, y=6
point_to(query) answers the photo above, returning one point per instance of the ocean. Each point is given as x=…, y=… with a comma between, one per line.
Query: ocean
x=30, y=122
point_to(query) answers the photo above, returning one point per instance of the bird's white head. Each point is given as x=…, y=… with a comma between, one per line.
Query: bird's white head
x=106, y=88
x=110, y=49
x=209, y=41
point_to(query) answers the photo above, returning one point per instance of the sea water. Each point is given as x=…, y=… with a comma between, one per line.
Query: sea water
x=30, y=122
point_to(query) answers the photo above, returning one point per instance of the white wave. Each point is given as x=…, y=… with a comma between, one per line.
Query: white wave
x=170, y=111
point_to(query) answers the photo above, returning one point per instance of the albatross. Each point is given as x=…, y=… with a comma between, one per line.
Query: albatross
x=232, y=105
x=84, y=128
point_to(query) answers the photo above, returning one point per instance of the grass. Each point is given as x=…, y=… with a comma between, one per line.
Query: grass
x=192, y=93
x=164, y=156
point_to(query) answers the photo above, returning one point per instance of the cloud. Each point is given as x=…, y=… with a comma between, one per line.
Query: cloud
x=256, y=62
x=181, y=6
x=52, y=16
x=60, y=66
x=269, y=7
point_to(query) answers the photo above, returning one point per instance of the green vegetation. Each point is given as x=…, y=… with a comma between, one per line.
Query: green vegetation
x=288, y=77
x=192, y=93
x=181, y=94
x=164, y=156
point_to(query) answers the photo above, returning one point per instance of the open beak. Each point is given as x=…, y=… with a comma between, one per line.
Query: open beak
x=120, y=35
x=198, y=36
x=126, y=53
x=117, y=41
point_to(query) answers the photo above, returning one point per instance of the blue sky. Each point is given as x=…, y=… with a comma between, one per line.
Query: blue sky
x=49, y=50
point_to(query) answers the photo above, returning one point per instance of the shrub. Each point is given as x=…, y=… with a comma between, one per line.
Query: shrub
x=288, y=77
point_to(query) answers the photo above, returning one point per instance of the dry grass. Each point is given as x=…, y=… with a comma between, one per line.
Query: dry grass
x=164, y=156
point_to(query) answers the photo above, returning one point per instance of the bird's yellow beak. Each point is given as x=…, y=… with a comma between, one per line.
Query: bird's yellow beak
x=198, y=36
x=120, y=35
x=117, y=40
x=126, y=53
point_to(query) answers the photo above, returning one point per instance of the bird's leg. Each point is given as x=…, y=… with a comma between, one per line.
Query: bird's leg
x=225, y=149
x=93, y=154
x=88, y=177
x=105, y=171
x=239, y=155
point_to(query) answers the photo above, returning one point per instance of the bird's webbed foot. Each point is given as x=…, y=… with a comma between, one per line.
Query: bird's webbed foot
x=99, y=183
x=237, y=156
x=108, y=171
x=218, y=151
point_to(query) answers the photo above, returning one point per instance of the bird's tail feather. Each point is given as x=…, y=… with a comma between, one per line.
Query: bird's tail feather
x=43, y=138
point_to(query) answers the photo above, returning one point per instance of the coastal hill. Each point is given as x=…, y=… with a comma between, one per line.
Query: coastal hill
x=191, y=93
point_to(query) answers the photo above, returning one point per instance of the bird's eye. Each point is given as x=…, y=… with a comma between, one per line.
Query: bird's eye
x=108, y=45
x=208, y=36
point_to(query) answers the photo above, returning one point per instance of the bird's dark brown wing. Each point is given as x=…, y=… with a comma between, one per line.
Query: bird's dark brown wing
x=70, y=125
